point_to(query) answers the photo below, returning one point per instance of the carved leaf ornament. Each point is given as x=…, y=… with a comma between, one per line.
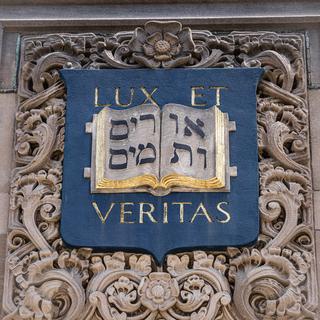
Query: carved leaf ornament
x=273, y=280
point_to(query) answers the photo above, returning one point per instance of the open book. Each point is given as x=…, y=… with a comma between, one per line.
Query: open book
x=145, y=148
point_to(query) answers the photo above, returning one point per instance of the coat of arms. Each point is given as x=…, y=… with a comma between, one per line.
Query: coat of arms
x=154, y=155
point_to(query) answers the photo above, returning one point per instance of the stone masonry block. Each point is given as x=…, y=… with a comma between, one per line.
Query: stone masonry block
x=314, y=105
x=7, y=112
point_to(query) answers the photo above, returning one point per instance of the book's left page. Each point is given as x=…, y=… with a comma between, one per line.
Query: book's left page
x=127, y=147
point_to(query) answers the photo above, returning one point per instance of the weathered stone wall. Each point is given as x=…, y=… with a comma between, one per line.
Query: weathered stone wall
x=24, y=18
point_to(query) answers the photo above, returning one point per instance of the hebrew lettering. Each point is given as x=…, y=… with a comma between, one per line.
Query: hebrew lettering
x=149, y=117
x=117, y=123
x=194, y=127
x=144, y=160
x=180, y=146
x=121, y=165
x=189, y=151
x=174, y=117
x=136, y=141
x=204, y=152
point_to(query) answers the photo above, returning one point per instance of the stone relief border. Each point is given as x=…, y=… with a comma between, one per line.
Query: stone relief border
x=273, y=280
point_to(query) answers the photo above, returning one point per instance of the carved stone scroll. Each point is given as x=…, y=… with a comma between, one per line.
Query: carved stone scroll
x=273, y=280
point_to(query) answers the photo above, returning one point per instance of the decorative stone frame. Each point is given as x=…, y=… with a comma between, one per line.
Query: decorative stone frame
x=273, y=280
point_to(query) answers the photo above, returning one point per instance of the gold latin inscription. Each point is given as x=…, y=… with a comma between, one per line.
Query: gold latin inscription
x=149, y=213
x=148, y=95
x=165, y=212
x=194, y=95
x=204, y=213
x=118, y=99
x=201, y=211
x=96, y=98
x=181, y=209
x=122, y=212
x=218, y=94
x=99, y=213
x=223, y=211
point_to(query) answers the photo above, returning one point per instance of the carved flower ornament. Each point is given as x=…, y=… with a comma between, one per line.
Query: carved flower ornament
x=162, y=44
x=158, y=291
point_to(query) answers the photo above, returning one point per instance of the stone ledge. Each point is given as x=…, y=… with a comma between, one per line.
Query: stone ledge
x=102, y=2
x=194, y=14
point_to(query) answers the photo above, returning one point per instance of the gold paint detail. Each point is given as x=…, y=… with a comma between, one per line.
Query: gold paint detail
x=218, y=94
x=165, y=212
x=148, y=213
x=182, y=209
x=223, y=211
x=118, y=99
x=204, y=213
x=96, y=98
x=220, y=147
x=99, y=212
x=148, y=95
x=100, y=145
x=194, y=95
x=122, y=212
x=169, y=180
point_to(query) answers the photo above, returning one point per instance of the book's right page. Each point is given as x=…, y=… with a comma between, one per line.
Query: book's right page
x=188, y=142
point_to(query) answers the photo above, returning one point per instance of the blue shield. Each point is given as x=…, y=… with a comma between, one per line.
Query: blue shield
x=145, y=216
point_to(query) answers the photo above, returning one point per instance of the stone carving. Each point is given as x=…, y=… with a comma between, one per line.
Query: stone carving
x=273, y=280
x=158, y=291
x=50, y=284
x=278, y=296
x=162, y=44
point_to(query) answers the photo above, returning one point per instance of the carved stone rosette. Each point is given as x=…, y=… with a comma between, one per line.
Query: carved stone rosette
x=273, y=280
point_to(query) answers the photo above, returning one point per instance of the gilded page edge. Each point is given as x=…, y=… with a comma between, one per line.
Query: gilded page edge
x=100, y=146
x=220, y=147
